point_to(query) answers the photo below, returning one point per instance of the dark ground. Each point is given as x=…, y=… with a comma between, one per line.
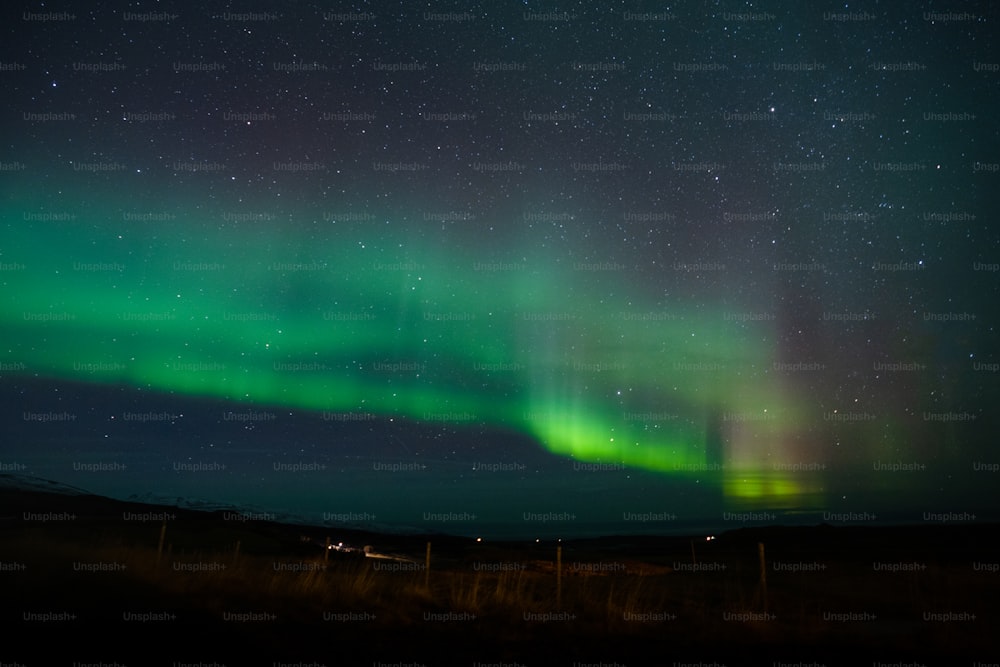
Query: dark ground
x=630, y=601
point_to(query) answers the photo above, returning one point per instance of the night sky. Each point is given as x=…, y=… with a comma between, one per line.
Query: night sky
x=505, y=268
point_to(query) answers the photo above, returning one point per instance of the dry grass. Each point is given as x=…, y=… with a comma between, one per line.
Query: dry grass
x=687, y=608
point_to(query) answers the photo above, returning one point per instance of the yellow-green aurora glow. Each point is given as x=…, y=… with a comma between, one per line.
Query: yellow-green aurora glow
x=322, y=320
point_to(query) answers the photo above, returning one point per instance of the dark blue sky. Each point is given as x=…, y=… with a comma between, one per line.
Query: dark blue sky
x=496, y=263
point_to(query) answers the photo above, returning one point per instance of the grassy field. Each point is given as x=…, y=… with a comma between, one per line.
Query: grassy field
x=103, y=589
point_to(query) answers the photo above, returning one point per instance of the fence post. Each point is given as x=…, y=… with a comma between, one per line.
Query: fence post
x=159, y=548
x=763, y=573
x=427, y=567
x=559, y=576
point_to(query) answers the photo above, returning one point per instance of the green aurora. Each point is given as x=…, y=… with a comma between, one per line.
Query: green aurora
x=315, y=317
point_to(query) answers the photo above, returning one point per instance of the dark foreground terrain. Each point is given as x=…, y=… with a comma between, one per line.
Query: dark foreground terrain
x=85, y=580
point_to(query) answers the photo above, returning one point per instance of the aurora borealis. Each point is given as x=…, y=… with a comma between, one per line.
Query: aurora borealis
x=406, y=333
x=502, y=265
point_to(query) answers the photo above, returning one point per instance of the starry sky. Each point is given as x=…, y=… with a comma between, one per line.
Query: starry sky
x=532, y=268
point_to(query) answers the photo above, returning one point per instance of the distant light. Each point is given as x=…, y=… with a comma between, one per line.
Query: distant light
x=710, y=538
x=479, y=539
